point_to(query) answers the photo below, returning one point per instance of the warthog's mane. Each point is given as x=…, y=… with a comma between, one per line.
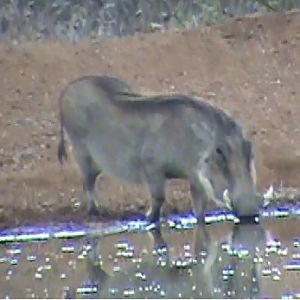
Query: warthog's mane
x=222, y=118
x=130, y=97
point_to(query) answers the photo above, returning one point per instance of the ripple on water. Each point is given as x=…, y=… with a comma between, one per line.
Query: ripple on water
x=87, y=289
x=67, y=231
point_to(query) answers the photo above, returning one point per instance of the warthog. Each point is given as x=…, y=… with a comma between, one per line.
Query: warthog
x=153, y=138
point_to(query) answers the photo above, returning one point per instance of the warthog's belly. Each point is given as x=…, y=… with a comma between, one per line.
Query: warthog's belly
x=117, y=157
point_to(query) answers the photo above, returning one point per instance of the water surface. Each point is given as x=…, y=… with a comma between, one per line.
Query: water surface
x=218, y=260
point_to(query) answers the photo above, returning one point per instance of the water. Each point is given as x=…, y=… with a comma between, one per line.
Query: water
x=221, y=259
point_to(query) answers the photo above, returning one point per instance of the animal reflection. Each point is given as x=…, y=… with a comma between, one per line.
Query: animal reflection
x=173, y=263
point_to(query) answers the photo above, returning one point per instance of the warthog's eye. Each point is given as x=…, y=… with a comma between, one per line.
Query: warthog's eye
x=221, y=154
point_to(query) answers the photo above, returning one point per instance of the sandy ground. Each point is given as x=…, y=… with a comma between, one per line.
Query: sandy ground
x=249, y=67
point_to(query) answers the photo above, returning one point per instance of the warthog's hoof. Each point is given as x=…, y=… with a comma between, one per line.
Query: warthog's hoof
x=134, y=216
x=155, y=221
x=153, y=218
x=94, y=211
x=200, y=219
x=152, y=215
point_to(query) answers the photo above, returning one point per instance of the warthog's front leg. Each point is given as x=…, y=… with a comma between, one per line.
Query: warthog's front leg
x=199, y=201
x=157, y=191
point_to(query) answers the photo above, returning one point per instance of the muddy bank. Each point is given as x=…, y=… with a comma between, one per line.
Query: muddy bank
x=249, y=67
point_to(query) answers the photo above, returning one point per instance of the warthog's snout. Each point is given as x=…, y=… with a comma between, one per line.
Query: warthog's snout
x=245, y=200
x=230, y=170
x=247, y=204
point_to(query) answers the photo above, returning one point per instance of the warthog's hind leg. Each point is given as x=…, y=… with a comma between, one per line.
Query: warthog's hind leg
x=89, y=172
x=89, y=187
x=157, y=191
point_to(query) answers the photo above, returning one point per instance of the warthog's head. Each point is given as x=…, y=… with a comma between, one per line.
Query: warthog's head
x=228, y=172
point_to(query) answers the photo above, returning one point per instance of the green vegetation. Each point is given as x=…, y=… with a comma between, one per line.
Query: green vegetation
x=22, y=20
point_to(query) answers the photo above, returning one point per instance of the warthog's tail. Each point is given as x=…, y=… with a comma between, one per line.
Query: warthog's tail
x=62, y=152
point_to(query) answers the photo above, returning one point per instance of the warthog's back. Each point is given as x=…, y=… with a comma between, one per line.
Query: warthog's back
x=103, y=93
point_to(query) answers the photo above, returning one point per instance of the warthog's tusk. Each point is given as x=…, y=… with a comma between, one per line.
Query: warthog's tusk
x=268, y=196
x=227, y=199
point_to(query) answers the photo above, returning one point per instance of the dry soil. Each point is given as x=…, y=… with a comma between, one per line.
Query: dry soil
x=250, y=67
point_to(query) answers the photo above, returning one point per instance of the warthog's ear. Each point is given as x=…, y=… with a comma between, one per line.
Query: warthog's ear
x=248, y=152
x=247, y=148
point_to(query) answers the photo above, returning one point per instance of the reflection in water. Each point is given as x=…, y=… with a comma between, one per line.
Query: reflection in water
x=209, y=261
x=165, y=265
x=177, y=264
x=246, y=247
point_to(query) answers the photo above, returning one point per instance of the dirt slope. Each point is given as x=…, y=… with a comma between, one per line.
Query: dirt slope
x=250, y=67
